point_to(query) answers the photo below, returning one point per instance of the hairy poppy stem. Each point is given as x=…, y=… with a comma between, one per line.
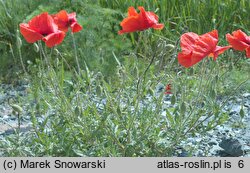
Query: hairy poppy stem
x=43, y=53
x=145, y=72
x=75, y=52
x=21, y=58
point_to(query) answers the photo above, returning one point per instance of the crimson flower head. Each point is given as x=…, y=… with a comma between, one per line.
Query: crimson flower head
x=65, y=20
x=168, y=89
x=42, y=27
x=239, y=41
x=196, y=47
x=139, y=21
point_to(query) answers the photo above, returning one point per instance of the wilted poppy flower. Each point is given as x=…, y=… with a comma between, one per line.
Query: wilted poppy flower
x=168, y=89
x=195, y=47
x=65, y=20
x=42, y=27
x=139, y=21
x=239, y=41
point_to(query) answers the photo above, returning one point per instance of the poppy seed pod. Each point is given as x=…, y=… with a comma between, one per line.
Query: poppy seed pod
x=36, y=47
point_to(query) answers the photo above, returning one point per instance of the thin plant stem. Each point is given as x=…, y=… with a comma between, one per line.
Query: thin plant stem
x=21, y=59
x=144, y=74
x=56, y=88
x=75, y=52
x=43, y=53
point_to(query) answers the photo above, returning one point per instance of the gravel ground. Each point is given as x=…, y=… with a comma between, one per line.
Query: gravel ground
x=227, y=140
x=222, y=141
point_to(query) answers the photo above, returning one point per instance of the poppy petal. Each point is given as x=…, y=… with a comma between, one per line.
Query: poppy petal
x=205, y=45
x=240, y=35
x=213, y=34
x=138, y=22
x=236, y=44
x=248, y=52
x=75, y=27
x=147, y=19
x=62, y=15
x=219, y=50
x=188, y=41
x=158, y=26
x=43, y=23
x=130, y=25
x=184, y=58
x=153, y=16
x=132, y=11
x=54, y=39
x=142, y=10
x=195, y=47
x=30, y=35
x=72, y=17
x=61, y=19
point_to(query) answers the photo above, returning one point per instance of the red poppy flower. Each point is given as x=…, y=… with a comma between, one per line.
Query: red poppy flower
x=139, y=21
x=195, y=47
x=168, y=89
x=239, y=41
x=42, y=27
x=65, y=20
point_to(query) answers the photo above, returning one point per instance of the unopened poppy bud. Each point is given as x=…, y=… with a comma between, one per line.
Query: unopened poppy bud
x=57, y=51
x=99, y=90
x=214, y=20
x=214, y=23
x=183, y=108
x=216, y=78
x=118, y=110
x=17, y=108
x=151, y=91
x=29, y=62
x=77, y=111
x=170, y=47
x=36, y=47
x=102, y=60
x=212, y=94
x=19, y=42
x=99, y=76
x=242, y=113
x=168, y=89
x=173, y=99
x=136, y=70
x=148, y=83
x=57, y=62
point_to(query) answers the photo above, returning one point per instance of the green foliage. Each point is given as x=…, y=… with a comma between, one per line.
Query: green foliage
x=198, y=16
x=111, y=107
x=12, y=13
